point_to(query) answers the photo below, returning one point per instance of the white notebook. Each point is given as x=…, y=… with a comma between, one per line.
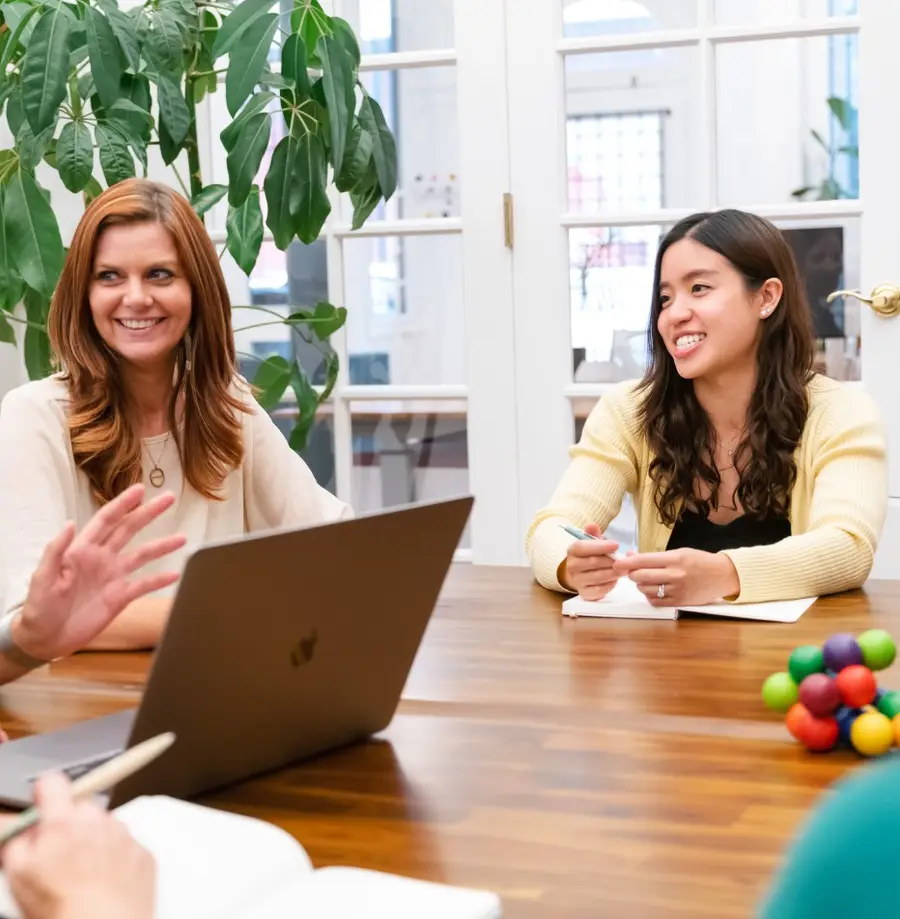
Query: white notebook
x=625, y=601
x=216, y=865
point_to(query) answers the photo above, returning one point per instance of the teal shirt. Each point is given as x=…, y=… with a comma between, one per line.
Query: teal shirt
x=844, y=861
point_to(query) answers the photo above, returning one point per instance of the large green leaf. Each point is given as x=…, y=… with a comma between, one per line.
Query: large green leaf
x=311, y=21
x=245, y=157
x=337, y=81
x=75, y=156
x=365, y=197
x=9, y=163
x=283, y=191
x=245, y=231
x=163, y=37
x=123, y=28
x=37, y=343
x=259, y=102
x=45, y=68
x=136, y=90
x=32, y=234
x=357, y=157
x=237, y=24
x=168, y=149
x=344, y=34
x=311, y=179
x=173, y=109
x=307, y=403
x=20, y=19
x=271, y=380
x=115, y=157
x=31, y=149
x=207, y=198
x=105, y=56
x=92, y=190
x=11, y=286
x=384, y=149
x=293, y=63
x=247, y=61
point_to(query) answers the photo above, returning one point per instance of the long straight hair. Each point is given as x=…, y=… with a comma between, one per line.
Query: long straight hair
x=679, y=432
x=104, y=442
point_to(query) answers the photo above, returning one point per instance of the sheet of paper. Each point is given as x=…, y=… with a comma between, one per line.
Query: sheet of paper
x=624, y=601
x=775, y=611
x=354, y=893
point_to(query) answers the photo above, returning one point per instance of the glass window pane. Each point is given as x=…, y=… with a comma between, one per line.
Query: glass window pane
x=791, y=132
x=319, y=452
x=409, y=451
x=420, y=109
x=611, y=281
x=632, y=130
x=619, y=17
x=383, y=26
x=405, y=320
x=775, y=12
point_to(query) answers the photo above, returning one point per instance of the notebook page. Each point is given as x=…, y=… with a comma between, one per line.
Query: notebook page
x=624, y=601
x=211, y=863
x=772, y=611
x=355, y=893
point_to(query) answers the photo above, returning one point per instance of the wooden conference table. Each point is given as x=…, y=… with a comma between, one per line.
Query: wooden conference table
x=580, y=768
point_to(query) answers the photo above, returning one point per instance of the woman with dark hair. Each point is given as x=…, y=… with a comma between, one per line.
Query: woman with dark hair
x=147, y=392
x=753, y=478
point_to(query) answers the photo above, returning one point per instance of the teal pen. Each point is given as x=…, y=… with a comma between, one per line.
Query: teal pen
x=574, y=531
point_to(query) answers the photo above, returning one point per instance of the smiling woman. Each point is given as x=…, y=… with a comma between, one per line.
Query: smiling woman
x=147, y=391
x=753, y=478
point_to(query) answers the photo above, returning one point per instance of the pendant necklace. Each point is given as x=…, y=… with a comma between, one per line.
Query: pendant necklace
x=157, y=476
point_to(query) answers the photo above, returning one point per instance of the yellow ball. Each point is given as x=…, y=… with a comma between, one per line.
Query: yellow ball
x=872, y=734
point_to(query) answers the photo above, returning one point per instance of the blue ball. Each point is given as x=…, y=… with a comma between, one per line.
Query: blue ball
x=845, y=717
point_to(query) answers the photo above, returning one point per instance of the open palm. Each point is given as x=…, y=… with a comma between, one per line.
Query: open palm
x=84, y=581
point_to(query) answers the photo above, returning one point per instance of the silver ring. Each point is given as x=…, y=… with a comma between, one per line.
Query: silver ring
x=661, y=591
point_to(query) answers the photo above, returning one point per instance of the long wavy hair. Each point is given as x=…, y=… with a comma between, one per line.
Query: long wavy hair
x=104, y=441
x=680, y=435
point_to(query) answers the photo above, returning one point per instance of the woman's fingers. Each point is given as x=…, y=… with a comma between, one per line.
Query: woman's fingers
x=56, y=549
x=151, y=551
x=585, y=548
x=592, y=563
x=136, y=519
x=148, y=585
x=102, y=524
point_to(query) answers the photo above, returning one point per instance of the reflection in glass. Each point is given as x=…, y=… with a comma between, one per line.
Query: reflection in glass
x=410, y=451
x=792, y=132
x=385, y=26
x=632, y=130
x=779, y=12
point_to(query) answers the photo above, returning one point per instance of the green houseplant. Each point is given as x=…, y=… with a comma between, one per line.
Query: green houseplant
x=829, y=188
x=89, y=88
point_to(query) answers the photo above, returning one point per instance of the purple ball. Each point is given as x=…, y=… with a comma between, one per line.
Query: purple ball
x=841, y=650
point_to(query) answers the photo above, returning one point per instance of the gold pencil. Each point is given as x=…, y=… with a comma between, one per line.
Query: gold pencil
x=101, y=779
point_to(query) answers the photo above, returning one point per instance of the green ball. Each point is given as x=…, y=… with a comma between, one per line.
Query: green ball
x=780, y=692
x=805, y=660
x=889, y=704
x=878, y=649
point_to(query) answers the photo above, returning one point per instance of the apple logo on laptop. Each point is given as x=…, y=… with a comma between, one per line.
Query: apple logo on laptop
x=305, y=649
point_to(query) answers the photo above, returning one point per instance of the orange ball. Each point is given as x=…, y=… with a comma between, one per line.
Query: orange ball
x=896, y=723
x=857, y=685
x=796, y=717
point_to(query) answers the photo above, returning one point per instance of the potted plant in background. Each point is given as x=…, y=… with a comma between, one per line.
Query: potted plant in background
x=88, y=89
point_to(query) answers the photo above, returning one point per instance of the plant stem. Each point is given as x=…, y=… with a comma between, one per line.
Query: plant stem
x=223, y=250
x=184, y=187
x=13, y=318
x=259, y=309
x=74, y=98
x=192, y=144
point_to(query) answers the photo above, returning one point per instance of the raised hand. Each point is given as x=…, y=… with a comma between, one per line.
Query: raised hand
x=84, y=581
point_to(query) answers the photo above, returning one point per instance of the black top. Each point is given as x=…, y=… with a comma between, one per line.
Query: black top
x=691, y=531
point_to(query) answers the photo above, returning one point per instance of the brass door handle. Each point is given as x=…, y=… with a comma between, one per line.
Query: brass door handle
x=885, y=299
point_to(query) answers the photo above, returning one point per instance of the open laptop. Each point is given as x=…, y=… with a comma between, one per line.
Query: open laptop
x=279, y=646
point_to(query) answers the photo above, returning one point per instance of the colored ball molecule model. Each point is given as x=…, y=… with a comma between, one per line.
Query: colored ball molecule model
x=830, y=697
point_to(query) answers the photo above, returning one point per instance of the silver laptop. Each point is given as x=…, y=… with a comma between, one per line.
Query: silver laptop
x=279, y=646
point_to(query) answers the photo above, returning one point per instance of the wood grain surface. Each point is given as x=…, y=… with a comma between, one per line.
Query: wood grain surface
x=579, y=768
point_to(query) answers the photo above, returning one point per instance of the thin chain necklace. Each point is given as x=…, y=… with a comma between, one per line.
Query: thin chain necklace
x=157, y=476
x=730, y=450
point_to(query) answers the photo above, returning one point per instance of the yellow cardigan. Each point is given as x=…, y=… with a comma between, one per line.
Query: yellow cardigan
x=838, y=503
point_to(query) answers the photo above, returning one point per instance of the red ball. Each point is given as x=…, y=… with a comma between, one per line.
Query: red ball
x=820, y=694
x=818, y=734
x=857, y=685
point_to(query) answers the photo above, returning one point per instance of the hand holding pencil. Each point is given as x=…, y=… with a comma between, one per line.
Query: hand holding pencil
x=68, y=858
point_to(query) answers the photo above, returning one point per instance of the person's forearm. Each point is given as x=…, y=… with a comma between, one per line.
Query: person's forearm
x=137, y=628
